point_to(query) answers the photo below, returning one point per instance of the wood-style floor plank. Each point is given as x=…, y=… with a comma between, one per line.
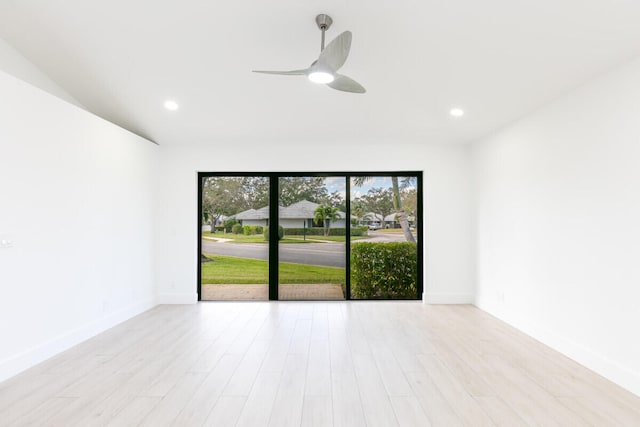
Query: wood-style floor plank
x=317, y=411
x=347, y=406
x=259, y=405
x=226, y=412
x=287, y=407
x=204, y=399
x=313, y=364
x=408, y=411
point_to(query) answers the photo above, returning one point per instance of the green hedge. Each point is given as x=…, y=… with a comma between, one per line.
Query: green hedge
x=362, y=230
x=315, y=231
x=319, y=231
x=384, y=270
x=250, y=230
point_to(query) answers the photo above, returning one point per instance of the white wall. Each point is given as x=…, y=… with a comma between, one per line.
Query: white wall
x=448, y=212
x=76, y=203
x=14, y=63
x=558, y=225
x=292, y=223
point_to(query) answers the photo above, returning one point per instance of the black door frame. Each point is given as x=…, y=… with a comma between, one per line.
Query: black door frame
x=273, y=261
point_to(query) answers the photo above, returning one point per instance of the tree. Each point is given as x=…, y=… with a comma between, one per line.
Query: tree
x=358, y=211
x=326, y=214
x=293, y=189
x=379, y=201
x=256, y=192
x=372, y=197
x=221, y=196
x=401, y=216
x=335, y=199
x=228, y=195
x=410, y=201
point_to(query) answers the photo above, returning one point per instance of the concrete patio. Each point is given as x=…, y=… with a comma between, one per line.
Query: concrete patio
x=260, y=292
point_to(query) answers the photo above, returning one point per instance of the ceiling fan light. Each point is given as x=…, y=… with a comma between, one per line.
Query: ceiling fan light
x=321, y=77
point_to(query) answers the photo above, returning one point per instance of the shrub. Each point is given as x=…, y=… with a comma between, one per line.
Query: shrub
x=314, y=231
x=280, y=233
x=384, y=270
x=259, y=229
x=249, y=230
x=236, y=229
x=360, y=231
x=318, y=231
x=228, y=225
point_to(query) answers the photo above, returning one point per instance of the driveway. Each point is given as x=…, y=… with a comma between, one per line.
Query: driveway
x=325, y=254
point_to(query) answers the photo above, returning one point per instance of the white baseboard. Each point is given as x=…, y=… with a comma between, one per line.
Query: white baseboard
x=31, y=357
x=437, y=298
x=604, y=366
x=178, y=298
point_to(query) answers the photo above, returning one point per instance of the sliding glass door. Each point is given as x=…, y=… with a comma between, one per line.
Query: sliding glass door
x=315, y=236
x=234, y=260
x=384, y=241
x=313, y=222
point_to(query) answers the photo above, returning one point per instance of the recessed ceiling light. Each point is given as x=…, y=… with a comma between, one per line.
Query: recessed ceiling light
x=457, y=112
x=170, y=105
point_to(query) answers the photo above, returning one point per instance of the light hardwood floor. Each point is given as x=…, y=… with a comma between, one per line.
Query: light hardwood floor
x=313, y=364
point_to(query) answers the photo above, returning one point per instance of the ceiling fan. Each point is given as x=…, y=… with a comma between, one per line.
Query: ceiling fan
x=323, y=70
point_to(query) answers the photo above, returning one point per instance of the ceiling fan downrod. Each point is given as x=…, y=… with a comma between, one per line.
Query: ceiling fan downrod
x=324, y=23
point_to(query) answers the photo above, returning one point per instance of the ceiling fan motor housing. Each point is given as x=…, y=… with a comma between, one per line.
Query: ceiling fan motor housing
x=324, y=21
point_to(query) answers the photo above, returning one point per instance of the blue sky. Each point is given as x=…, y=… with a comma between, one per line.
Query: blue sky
x=338, y=184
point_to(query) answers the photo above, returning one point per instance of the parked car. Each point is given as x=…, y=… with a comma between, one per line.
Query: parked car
x=374, y=226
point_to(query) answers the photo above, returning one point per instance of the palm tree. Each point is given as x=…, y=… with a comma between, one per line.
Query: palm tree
x=401, y=216
x=358, y=212
x=325, y=214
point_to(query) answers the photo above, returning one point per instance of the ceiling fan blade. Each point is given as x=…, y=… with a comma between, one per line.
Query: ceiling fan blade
x=346, y=84
x=336, y=52
x=284, y=73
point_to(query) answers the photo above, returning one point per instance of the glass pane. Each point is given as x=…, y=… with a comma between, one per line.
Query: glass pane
x=235, y=252
x=384, y=260
x=312, y=246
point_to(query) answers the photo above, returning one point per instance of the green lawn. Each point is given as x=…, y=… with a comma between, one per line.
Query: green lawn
x=233, y=270
x=327, y=238
x=259, y=238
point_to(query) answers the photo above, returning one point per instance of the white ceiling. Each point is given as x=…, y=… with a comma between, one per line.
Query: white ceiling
x=497, y=59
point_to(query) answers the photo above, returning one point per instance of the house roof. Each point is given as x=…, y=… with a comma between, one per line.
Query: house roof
x=301, y=209
x=248, y=214
x=372, y=216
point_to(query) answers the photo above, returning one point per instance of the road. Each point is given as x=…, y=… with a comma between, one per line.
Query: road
x=326, y=254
